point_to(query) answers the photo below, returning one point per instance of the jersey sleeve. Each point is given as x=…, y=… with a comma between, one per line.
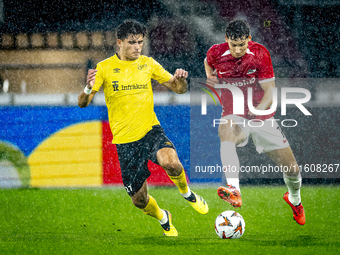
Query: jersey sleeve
x=265, y=67
x=159, y=73
x=210, y=59
x=99, y=78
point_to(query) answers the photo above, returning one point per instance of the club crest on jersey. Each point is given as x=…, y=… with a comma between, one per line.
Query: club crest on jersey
x=250, y=71
x=141, y=67
x=116, y=70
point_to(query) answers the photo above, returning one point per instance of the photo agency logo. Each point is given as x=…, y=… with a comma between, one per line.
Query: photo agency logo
x=297, y=107
x=238, y=98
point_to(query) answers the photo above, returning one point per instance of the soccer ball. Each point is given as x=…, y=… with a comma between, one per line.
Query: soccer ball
x=229, y=225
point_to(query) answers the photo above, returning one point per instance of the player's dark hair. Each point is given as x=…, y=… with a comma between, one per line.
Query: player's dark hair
x=130, y=27
x=237, y=29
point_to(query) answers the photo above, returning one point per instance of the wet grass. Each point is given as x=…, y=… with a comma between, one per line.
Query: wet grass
x=104, y=221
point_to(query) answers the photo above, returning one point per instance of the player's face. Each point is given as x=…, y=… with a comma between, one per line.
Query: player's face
x=238, y=47
x=131, y=47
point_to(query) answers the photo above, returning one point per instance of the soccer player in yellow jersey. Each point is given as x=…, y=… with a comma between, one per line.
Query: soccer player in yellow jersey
x=126, y=80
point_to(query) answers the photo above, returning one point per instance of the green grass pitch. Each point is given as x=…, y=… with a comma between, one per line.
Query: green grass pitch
x=104, y=221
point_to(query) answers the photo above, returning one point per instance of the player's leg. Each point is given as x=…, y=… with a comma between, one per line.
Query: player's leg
x=230, y=136
x=168, y=159
x=133, y=158
x=163, y=153
x=270, y=139
x=292, y=177
x=148, y=204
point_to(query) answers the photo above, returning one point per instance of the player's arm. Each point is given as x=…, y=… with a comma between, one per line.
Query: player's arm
x=265, y=72
x=178, y=82
x=267, y=98
x=85, y=99
x=211, y=74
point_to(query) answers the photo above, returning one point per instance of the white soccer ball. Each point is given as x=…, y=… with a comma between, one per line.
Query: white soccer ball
x=229, y=225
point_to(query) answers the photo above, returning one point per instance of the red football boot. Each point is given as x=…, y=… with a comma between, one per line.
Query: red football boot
x=298, y=211
x=231, y=195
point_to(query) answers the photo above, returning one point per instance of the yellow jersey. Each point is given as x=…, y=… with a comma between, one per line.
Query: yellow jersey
x=128, y=95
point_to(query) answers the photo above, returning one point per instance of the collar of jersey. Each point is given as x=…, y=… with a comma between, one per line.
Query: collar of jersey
x=116, y=58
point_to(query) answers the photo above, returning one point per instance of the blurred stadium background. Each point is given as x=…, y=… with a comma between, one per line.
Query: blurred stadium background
x=46, y=49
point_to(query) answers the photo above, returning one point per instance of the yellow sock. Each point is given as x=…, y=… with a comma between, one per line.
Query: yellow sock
x=181, y=182
x=152, y=209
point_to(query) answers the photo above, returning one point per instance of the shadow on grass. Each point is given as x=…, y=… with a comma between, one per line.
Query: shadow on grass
x=268, y=241
x=297, y=241
x=176, y=241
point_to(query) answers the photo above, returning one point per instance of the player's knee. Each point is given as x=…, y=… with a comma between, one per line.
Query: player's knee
x=172, y=167
x=229, y=133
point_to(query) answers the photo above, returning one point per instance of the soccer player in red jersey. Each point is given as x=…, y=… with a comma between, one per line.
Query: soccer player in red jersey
x=246, y=64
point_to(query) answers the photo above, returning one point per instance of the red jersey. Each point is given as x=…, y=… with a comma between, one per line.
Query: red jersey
x=253, y=68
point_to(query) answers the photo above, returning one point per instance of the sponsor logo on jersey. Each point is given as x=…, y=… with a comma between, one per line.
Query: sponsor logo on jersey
x=115, y=85
x=250, y=71
x=135, y=86
x=242, y=83
x=128, y=87
x=116, y=70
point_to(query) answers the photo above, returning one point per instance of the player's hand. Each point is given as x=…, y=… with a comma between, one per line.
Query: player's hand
x=212, y=81
x=181, y=74
x=90, y=79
